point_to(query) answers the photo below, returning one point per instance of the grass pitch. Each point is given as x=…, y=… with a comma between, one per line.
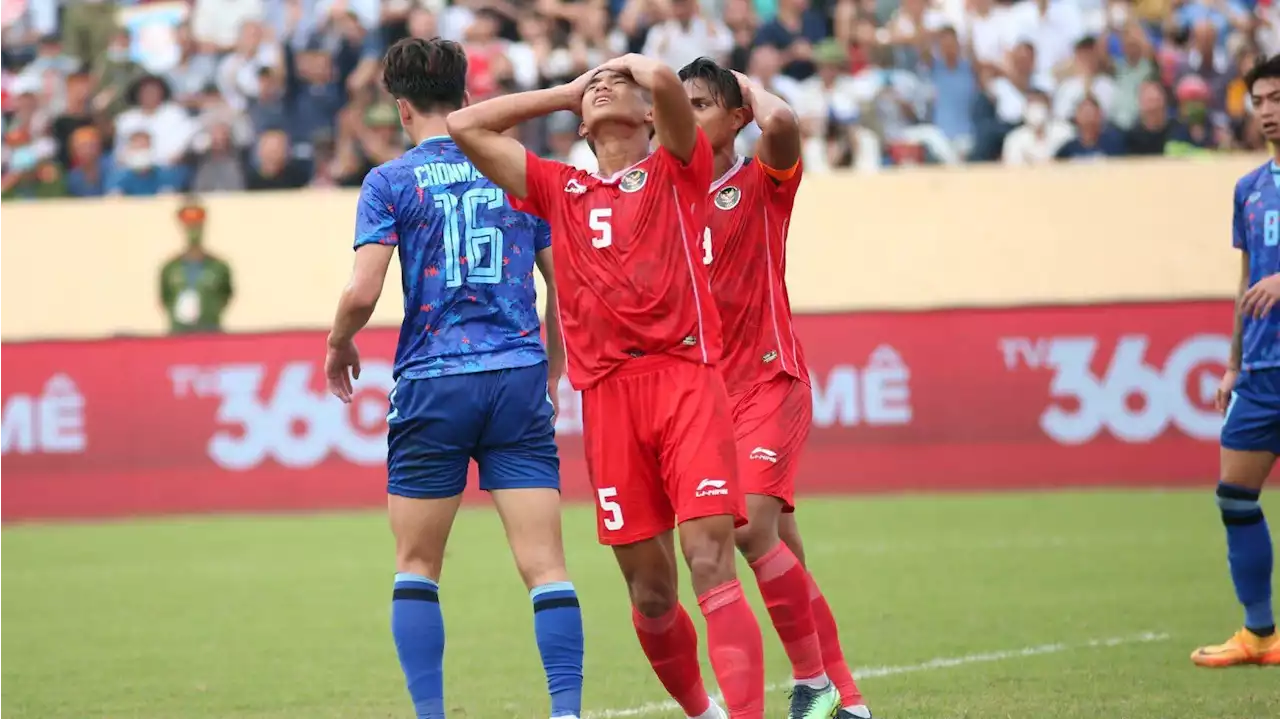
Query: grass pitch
x=1034, y=606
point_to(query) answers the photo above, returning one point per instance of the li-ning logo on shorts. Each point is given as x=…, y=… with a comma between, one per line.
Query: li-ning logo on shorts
x=767, y=455
x=769, y=356
x=633, y=180
x=689, y=341
x=711, y=488
x=727, y=198
x=573, y=187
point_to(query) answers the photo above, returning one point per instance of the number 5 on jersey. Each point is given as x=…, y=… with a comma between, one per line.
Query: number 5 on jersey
x=599, y=222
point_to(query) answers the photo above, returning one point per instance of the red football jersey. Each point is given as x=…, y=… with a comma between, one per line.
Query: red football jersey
x=745, y=247
x=627, y=249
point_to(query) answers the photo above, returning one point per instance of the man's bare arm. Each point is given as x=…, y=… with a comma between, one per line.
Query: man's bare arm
x=478, y=131
x=779, y=145
x=360, y=296
x=677, y=130
x=1237, y=332
x=555, y=343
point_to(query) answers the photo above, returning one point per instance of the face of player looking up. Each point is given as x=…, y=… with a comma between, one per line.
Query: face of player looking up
x=1266, y=103
x=614, y=98
x=720, y=124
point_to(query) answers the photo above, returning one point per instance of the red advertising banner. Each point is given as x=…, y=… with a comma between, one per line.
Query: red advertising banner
x=949, y=400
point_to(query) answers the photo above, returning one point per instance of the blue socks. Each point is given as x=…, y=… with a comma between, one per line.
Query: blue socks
x=1249, y=554
x=418, y=628
x=557, y=623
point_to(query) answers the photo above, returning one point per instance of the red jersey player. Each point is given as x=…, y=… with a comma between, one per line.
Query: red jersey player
x=763, y=365
x=642, y=337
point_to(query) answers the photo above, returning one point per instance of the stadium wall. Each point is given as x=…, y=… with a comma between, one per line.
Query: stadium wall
x=1105, y=394
x=972, y=237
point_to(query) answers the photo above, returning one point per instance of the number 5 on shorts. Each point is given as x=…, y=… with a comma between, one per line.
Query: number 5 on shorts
x=613, y=511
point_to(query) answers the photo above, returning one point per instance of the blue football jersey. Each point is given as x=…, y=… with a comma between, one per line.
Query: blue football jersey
x=466, y=262
x=1256, y=230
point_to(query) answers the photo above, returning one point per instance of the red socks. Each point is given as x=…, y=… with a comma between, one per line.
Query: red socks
x=832, y=654
x=736, y=648
x=784, y=584
x=671, y=644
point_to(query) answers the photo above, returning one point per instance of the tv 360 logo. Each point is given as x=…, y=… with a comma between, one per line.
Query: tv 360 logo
x=1131, y=398
x=293, y=421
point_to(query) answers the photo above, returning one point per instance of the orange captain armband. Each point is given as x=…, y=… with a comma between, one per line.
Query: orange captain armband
x=779, y=176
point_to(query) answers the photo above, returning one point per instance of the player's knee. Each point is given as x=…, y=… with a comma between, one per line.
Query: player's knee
x=652, y=598
x=543, y=568
x=415, y=561
x=1238, y=505
x=710, y=558
x=755, y=538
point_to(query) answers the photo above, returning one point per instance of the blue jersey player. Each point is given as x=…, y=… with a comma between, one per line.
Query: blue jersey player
x=1250, y=394
x=472, y=378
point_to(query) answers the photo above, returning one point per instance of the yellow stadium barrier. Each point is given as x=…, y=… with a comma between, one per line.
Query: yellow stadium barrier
x=972, y=236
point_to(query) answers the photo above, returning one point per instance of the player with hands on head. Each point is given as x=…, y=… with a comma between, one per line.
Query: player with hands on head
x=1249, y=394
x=744, y=249
x=472, y=377
x=642, y=340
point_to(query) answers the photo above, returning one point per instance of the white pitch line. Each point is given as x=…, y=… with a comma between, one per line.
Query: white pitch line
x=939, y=663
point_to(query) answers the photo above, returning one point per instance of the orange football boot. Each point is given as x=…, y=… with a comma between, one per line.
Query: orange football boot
x=1244, y=647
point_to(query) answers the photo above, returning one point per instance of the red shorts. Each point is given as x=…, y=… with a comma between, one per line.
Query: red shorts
x=771, y=422
x=659, y=445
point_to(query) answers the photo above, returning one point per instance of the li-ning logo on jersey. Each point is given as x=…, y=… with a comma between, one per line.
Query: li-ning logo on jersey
x=573, y=187
x=769, y=356
x=633, y=180
x=711, y=488
x=768, y=455
x=727, y=198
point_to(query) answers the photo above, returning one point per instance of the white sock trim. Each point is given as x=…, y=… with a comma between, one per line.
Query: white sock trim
x=819, y=682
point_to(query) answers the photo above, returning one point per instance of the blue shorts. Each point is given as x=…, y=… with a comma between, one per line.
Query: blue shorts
x=1253, y=416
x=502, y=419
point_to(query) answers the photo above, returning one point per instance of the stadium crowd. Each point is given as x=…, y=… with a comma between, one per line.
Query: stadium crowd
x=107, y=97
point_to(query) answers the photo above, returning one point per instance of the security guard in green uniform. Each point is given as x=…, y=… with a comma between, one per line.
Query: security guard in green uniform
x=195, y=286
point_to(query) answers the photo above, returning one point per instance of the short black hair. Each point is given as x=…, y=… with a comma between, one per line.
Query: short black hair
x=1267, y=69
x=720, y=82
x=430, y=74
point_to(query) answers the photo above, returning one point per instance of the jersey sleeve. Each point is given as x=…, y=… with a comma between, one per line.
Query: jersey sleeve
x=375, y=213
x=543, y=178
x=541, y=236
x=785, y=182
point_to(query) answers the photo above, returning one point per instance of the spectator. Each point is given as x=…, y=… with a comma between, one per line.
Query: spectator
x=1040, y=136
x=117, y=73
x=1053, y=28
x=740, y=18
x=139, y=171
x=565, y=144
x=831, y=95
x=238, y=71
x=1134, y=67
x=196, y=68
x=892, y=102
x=1094, y=138
x=270, y=110
x=1152, y=129
x=76, y=114
x=794, y=31
x=687, y=35
x=195, y=286
x=1085, y=77
x=314, y=92
x=1196, y=132
x=216, y=24
x=90, y=29
x=911, y=30
x=219, y=168
x=90, y=171
x=154, y=114
x=992, y=32
x=272, y=168
x=1003, y=103
x=1209, y=61
x=29, y=175
x=50, y=61
x=488, y=67
x=955, y=91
